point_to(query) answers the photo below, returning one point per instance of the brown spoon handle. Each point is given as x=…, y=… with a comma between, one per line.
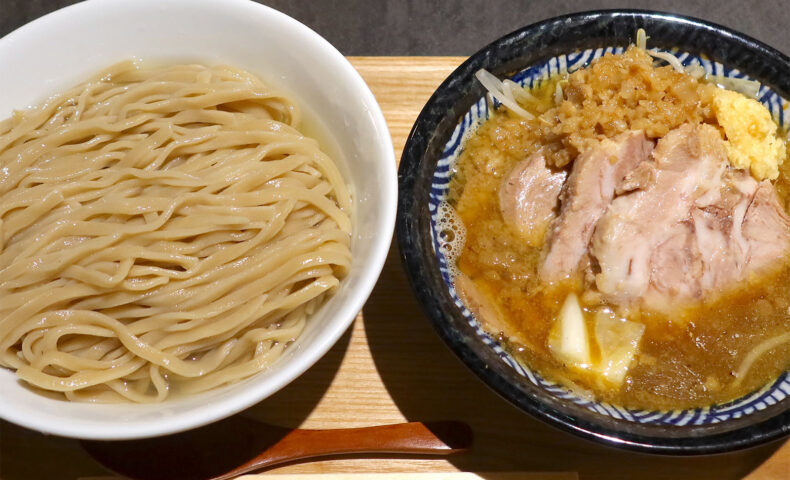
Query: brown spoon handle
x=429, y=438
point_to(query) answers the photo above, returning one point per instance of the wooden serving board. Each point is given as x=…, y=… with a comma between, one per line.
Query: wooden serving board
x=391, y=367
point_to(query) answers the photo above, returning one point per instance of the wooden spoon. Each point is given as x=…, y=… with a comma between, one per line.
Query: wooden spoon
x=239, y=445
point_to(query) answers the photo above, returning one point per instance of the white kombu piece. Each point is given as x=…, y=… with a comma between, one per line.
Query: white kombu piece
x=569, y=340
x=617, y=340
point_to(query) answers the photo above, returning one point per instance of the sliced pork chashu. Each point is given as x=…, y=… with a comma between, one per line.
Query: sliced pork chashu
x=687, y=225
x=529, y=195
x=653, y=219
x=587, y=194
x=766, y=228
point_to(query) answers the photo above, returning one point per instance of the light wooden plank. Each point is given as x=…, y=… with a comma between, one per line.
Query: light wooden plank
x=402, y=87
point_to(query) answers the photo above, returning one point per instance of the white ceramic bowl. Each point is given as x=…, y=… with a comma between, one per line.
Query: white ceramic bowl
x=65, y=47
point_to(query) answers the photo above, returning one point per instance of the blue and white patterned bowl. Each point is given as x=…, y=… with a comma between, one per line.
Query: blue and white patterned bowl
x=458, y=107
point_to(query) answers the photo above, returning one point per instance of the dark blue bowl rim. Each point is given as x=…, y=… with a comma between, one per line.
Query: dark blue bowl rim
x=593, y=28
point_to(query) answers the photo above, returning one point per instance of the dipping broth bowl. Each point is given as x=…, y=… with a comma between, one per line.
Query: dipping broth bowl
x=557, y=46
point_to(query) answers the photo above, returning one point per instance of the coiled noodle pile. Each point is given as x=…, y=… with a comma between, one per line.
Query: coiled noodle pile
x=162, y=231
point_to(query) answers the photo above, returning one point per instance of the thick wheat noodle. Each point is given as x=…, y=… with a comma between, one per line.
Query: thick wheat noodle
x=758, y=351
x=163, y=231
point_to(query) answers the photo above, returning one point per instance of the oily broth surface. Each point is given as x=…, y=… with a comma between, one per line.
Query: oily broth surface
x=684, y=361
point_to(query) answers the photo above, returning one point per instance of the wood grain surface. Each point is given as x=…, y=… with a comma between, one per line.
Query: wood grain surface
x=391, y=367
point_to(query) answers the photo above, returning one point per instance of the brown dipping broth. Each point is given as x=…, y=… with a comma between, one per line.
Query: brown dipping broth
x=684, y=360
